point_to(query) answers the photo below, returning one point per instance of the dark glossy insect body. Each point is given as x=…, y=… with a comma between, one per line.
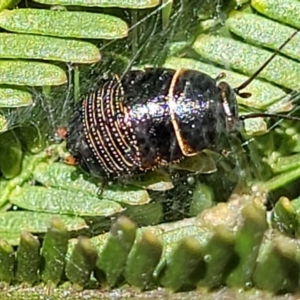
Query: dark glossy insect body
x=147, y=119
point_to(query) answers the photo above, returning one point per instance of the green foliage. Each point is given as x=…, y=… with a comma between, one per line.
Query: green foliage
x=228, y=243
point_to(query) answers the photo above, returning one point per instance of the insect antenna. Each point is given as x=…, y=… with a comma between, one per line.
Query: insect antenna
x=238, y=89
x=277, y=116
x=248, y=81
x=270, y=115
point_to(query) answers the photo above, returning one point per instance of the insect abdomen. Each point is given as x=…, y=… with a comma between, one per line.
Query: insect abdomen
x=144, y=120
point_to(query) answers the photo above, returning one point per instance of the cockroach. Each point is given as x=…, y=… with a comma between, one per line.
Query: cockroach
x=154, y=117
